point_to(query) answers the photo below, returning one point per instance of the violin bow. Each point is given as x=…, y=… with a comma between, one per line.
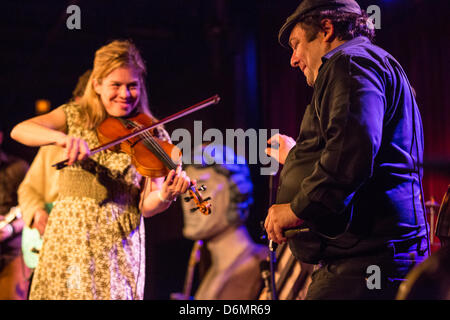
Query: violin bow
x=198, y=106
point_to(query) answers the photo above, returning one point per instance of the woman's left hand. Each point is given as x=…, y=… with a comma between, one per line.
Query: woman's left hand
x=176, y=183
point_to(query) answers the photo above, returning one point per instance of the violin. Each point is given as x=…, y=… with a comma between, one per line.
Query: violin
x=150, y=155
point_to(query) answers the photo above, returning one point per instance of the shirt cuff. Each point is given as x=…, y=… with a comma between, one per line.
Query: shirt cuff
x=318, y=217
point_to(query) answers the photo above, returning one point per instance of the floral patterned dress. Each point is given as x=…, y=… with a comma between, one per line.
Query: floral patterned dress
x=94, y=240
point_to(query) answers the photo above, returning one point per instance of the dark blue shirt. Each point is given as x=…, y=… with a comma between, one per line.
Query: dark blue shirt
x=353, y=175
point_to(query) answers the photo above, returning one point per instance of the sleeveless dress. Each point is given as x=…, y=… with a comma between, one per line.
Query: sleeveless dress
x=94, y=242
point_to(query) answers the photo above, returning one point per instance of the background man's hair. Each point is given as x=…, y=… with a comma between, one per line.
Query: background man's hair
x=81, y=84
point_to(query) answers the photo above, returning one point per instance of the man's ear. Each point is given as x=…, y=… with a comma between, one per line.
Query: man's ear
x=328, y=30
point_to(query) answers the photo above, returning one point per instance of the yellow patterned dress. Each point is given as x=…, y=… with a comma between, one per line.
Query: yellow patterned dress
x=94, y=240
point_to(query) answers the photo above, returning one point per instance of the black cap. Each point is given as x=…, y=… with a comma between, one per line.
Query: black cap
x=307, y=7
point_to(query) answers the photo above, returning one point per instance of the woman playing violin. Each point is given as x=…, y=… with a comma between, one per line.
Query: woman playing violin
x=94, y=241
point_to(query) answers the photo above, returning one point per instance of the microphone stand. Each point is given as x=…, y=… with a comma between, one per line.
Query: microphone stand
x=272, y=250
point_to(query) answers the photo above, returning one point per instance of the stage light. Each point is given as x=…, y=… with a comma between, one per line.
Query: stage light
x=42, y=106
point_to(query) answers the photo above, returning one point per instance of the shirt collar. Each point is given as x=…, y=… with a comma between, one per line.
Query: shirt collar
x=345, y=45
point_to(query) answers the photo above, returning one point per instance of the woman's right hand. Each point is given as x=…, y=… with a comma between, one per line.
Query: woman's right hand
x=46, y=129
x=76, y=148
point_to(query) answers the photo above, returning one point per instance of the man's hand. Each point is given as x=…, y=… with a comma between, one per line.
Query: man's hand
x=279, y=218
x=5, y=232
x=285, y=143
x=40, y=220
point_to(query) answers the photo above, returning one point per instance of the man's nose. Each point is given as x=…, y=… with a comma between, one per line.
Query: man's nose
x=294, y=60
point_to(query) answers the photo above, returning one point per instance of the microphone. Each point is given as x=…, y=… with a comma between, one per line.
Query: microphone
x=290, y=233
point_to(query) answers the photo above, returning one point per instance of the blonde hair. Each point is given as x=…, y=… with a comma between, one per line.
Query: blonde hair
x=116, y=54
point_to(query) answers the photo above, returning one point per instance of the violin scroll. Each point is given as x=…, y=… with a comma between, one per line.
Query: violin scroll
x=201, y=204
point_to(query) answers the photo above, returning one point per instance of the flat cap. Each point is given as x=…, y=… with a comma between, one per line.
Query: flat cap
x=308, y=7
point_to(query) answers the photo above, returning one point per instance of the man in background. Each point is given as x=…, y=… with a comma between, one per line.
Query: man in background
x=13, y=283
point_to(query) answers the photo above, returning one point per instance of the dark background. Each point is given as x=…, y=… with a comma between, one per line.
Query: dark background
x=195, y=49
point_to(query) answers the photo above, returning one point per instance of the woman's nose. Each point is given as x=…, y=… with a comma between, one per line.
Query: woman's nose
x=124, y=92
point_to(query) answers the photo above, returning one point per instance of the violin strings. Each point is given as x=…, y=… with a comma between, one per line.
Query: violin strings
x=169, y=162
x=155, y=145
x=167, y=159
x=149, y=139
x=159, y=150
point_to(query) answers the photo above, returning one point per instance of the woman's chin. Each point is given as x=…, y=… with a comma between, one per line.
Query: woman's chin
x=120, y=111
